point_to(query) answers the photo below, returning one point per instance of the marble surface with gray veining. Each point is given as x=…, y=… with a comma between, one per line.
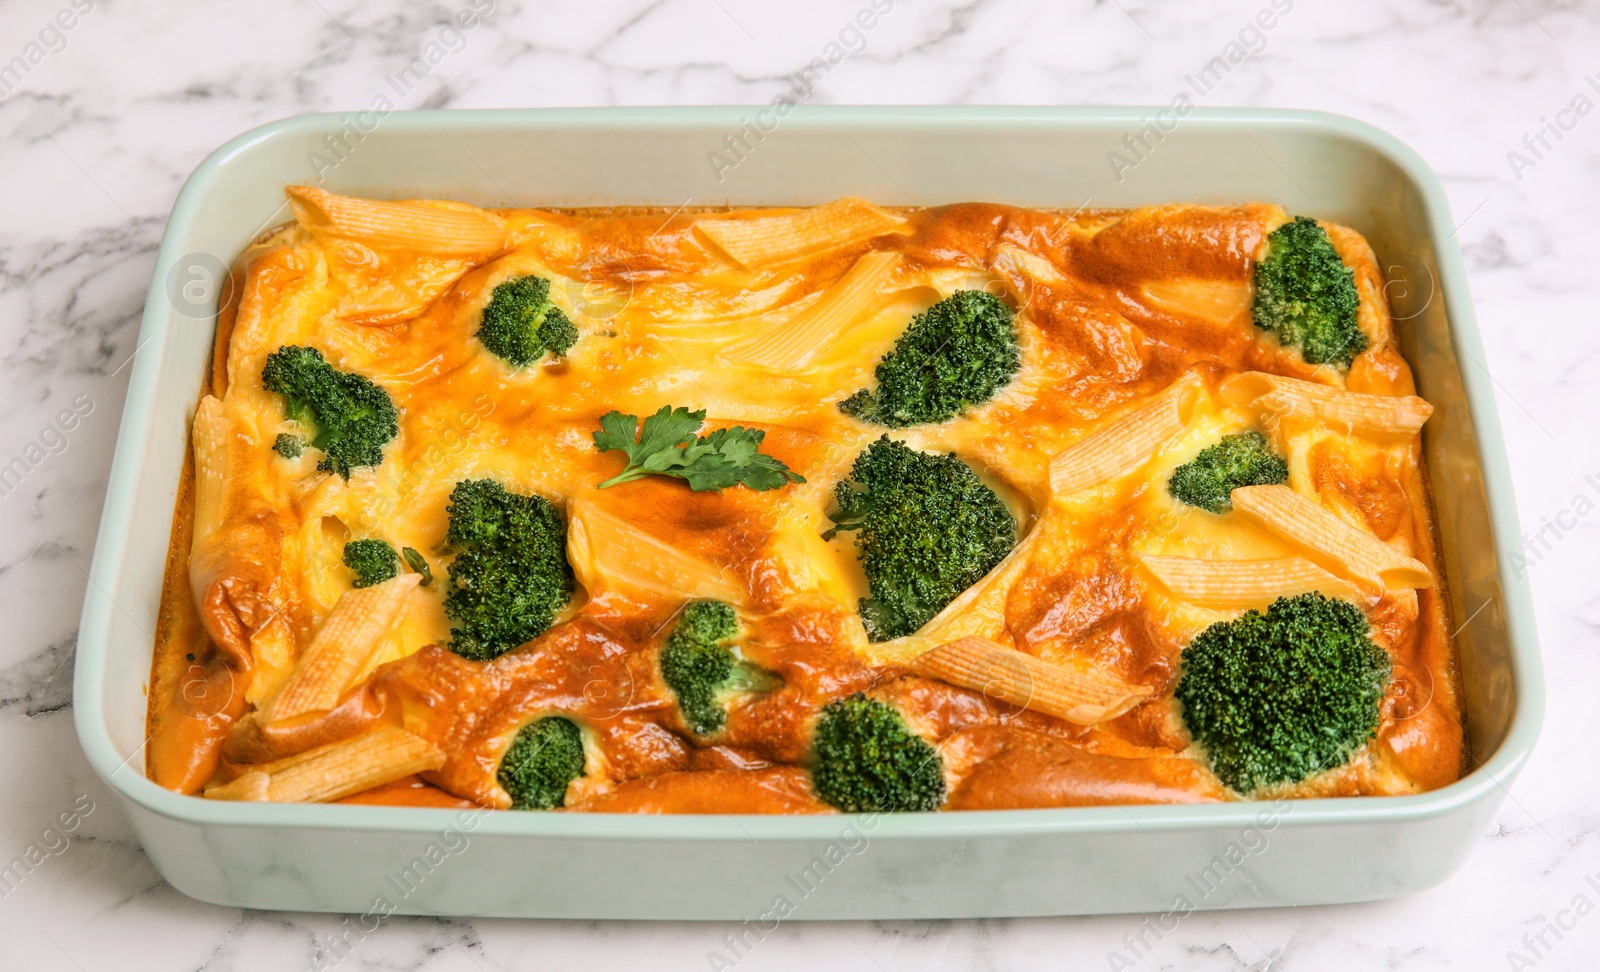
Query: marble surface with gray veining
x=106, y=106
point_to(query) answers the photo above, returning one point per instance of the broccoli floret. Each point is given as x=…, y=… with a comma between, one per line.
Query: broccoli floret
x=289, y=446
x=1277, y=697
x=701, y=670
x=545, y=757
x=1307, y=296
x=353, y=418
x=952, y=357
x=927, y=529
x=868, y=761
x=373, y=561
x=520, y=323
x=510, y=573
x=1208, y=480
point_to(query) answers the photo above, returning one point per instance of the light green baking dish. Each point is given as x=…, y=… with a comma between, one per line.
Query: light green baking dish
x=377, y=860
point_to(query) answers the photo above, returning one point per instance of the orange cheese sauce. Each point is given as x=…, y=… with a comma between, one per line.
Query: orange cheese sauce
x=1112, y=307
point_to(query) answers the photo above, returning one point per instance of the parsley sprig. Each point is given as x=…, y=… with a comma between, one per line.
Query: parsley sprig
x=667, y=445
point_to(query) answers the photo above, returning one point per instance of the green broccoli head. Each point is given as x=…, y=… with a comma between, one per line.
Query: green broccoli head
x=373, y=561
x=1277, y=697
x=700, y=668
x=868, y=761
x=952, y=357
x=927, y=528
x=289, y=446
x=705, y=623
x=1209, y=479
x=510, y=573
x=520, y=323
x=542, y=760
x=353, y=418
x=1307, y=296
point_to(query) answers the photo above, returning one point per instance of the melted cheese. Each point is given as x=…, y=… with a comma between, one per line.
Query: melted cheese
x=1112, y=308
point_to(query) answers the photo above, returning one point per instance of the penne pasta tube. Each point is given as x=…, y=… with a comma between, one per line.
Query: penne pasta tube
x=350, y=766
x=1356, y=412
x=770, y=239
x=1022, y=679
x=1238, y=584
x=211, y=430
x=341, y=648
x=1223, y=302
x=252, y=786
x=607, y=551
x=803, y=337
x=1128, y=442
x=1013, y=258
x=432, y=228
x=1339, y=546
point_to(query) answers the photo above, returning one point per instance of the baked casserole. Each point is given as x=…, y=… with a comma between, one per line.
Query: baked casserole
x=843, y=508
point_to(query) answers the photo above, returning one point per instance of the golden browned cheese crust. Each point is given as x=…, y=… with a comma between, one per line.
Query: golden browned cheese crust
x=1112, y=308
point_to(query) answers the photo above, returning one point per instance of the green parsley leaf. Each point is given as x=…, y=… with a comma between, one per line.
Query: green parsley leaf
x=667, y=445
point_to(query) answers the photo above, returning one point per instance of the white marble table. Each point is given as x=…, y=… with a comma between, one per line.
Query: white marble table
x=101, y=122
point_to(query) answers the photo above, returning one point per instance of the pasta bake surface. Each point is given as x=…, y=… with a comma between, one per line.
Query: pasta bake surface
x=1053, y=678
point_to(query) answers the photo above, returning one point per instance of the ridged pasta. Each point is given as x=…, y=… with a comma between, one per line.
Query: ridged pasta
x=1238, y=584
x=342, y=648
x=1355, y=413
x=337, y=770
x=1224, y=302
x=1127, y=443
x=806, y=336
x=1344, y=549
x=771, y=239
x=1022, y=679
x=607, y=551
x=211, y=430
x=452, y=230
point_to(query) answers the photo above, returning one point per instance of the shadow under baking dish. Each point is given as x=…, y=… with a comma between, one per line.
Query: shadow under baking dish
x=993, y=863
